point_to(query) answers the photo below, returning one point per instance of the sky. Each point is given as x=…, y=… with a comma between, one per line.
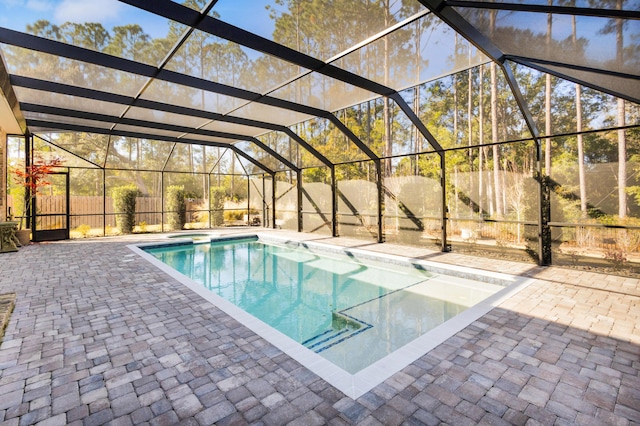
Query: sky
x=16, y=14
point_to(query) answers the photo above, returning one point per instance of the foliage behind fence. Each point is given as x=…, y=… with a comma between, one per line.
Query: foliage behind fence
x=89, y=210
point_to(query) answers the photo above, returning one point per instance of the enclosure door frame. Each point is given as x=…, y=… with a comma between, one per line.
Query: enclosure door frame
x=52, y=234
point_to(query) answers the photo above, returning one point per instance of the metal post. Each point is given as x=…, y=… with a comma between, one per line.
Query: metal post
x=299, y=188
x=248, y=200
x=273, y=201
x=104, y=202
x=162, y=199
x=28, y=158
x=68, y=201
x=378, y=164
x=209, y=198
x=334, y=203
x=265, y=207
x=544, y=211
x=445, y=209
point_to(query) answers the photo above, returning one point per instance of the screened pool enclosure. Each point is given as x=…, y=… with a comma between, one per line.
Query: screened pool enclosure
x=487, y=126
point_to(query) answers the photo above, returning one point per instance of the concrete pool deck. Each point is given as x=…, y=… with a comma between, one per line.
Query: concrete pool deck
x=99, y=335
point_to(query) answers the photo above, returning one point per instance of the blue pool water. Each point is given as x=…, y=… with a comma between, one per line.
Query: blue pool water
x=349, y=311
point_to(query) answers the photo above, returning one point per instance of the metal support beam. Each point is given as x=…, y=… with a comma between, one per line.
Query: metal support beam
x=248, y=200
x=104, y=202
x=98, y=95
x=142, y=124
x=324, y=160
x=98, y=130
x=40, y=44
x=415, y=120
x=265, y=206
x=209, y=199
x=61, y=148
x=445, y=209
x=334, y=203
x=224, y=30
x=299, y=199
x=162, y=200
x=273, y=153
x=544, y=8
x=544, y=210
x=65, y=89
x=464, y=28
x=626, y=83
x=176, y=47
x=351, y=136
x=28, y=214
x=273, y=201
x=380, y=190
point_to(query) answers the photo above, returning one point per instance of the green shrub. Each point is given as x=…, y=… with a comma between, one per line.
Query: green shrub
x=176, y=207
x=218, y=198
x=124, y=204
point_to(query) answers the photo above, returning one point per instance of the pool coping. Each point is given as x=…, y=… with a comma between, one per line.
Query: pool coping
x=352, y=385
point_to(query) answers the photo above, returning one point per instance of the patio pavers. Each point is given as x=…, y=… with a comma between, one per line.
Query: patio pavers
x=98, y=335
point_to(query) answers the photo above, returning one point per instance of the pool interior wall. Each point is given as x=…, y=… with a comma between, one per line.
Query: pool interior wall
x=352, y=385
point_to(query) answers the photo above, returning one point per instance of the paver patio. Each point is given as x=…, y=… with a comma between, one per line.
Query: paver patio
x=99, y=335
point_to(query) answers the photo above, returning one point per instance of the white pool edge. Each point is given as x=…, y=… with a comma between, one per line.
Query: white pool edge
x=352, y=385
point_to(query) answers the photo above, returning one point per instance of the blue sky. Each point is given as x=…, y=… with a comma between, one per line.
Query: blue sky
x=16, y=14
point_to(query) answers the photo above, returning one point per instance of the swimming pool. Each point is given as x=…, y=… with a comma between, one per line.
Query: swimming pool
x=355, y=316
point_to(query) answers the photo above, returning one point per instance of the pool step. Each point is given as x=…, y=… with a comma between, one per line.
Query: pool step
x=342, y=328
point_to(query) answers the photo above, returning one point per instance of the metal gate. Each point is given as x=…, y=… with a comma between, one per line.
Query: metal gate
x=52, y=218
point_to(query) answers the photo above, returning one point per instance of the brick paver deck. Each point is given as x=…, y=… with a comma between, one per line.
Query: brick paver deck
x=99, y=335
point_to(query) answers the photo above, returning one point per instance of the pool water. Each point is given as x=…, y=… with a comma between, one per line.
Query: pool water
x=350, y=311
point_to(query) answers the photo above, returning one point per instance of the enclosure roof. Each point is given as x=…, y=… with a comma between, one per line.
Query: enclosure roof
x=227, y=71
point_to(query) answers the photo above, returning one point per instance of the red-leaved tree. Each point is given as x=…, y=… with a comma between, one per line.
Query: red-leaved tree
x=33, y=178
